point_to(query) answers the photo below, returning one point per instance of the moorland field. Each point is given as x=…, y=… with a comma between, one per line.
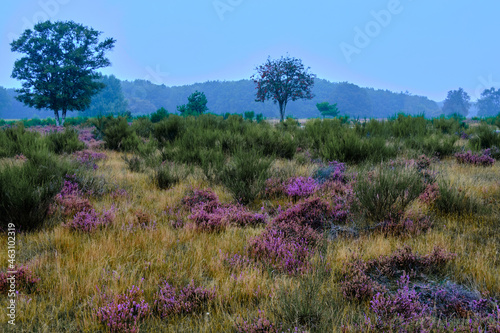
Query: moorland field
x=166, y=223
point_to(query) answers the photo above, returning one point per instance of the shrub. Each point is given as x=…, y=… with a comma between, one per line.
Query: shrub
x=335, y=171
x=356, y=284
x=134, y=163
x=300, y=187
x=167, y=175
x=198, y=196
x=174, y=301
x=455, y=201
x=143, y=127
x=478, y=160
x=167, y=130
x=118, y=135
x=124, y=313
x=25, y=280
x=159, y=115
x=245, y=175
x=387, y=192
x=27, y=190
x=70, y=199
x=16, y=140
x=485, y=137
x=64, y=142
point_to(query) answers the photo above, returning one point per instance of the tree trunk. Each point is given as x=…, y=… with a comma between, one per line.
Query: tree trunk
x=282, y=111
x=63, y=116
x=56, y=116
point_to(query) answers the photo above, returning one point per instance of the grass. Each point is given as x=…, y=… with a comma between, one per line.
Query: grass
x=76, y=269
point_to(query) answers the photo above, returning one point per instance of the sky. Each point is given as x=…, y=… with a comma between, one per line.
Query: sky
x=424, y=47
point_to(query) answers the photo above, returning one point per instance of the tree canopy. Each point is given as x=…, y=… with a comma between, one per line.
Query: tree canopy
x=58, y=71
x=489, y=103
x=457, y=101
x=327, y=109
x=110, y=100
x=283, y=80
x=197, y=104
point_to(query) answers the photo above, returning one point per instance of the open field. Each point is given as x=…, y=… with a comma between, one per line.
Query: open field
x=310, y=250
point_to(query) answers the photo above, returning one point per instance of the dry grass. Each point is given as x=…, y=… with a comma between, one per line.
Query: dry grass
x=73, y=266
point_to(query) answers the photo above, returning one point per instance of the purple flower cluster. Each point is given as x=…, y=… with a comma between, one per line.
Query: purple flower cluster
x=299, y=187
x=70, y=200
x=44, y=130
x=236, y=261
x=275, y=187
x=478, y=160
x=171, y=301
x=208, y=214
x=25, y=280
x=90, y=220
x=289, y=240
x=405, y=226
x=260, y=325
x=430, y=194
x=356, y=284
x=88, y=158
x=124, y=313
x=87, y=137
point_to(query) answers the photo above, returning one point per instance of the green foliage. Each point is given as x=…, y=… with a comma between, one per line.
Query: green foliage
x=159, y=115
x=404, y=126
x=245, y=174
x=249, y=115
x=169, y=129
x=143, y=127
x=134, y=163
x=64, y=142
x=447, y=125
x=16, y=140
x=328, y=110
x=59, y=67
x=452, y=200
x=485, y=137
x=110, y=100
x=27, y=190
x=168, y=175
x=118, y=135
x=387, y=191
x=259, y=118
x=197, y=105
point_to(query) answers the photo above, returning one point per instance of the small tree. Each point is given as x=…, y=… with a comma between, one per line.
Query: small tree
x=457, y=101
x=328, y=110
x=59, y=69
x=197, y=104
x=283, y=80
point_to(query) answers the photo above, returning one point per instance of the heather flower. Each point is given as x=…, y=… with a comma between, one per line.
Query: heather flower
x=199, y=197
x=430, y=194
x=88, y=158
x=300, y=187
x=274, y=187
x=356, y=284
x=90, y=220
x=124, y=313
x=478, y=160
x=25, y=280
x=259, y=325
x=172, y=301
x=335, y=171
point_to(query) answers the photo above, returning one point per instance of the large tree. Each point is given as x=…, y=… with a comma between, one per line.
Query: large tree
x=58, y=71
x=489, y=103
x=283, y=80
x=457, y=101
x=328, y=109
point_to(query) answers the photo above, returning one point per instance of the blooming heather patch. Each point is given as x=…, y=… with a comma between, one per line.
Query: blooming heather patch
x=259, y=325
x=472, y=159
x=356, y=284
x=333, y=172
x=171, y=301
x=316, y=213
x=405, y=226
x=300, y=187
x=198, y=196
x=430, y=194
x=25, y=280
x=87, y=137
x=281, y=253
x=274, y=187
x=89, y=158
x=90, y=220
x=70, y=200
x=124, y=313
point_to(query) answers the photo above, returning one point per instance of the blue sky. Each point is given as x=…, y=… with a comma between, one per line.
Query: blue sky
x=421, y=46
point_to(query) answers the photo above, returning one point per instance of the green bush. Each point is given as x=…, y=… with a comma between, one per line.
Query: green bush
x=245, y=174
x=168, y=175
x=452, y=200
x=143, y=127
x=387, y=191
x=404, y=126
x=118, y=135
x=169, y=129
x=134, y=163
x=485, y=137
x=64, y=142
x=159, y=115
x=27, y=190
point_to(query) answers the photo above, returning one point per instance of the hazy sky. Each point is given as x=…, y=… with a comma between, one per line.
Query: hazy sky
x=423, y=46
